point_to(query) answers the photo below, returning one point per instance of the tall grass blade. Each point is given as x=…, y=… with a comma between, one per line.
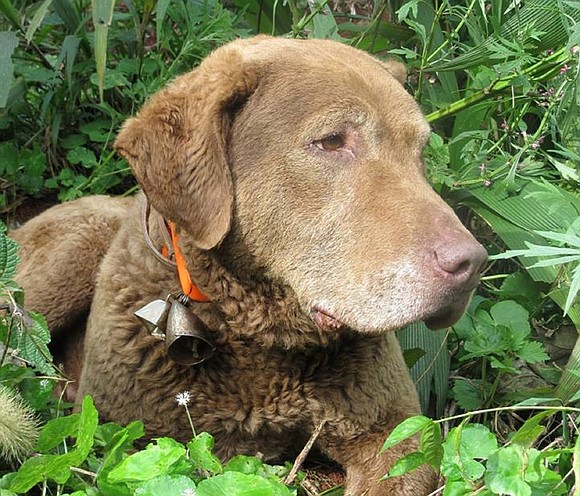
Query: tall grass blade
x=160, y=12
x=552, y=18
x=8, y=43
x=37, y=19
x=10, y=12
x=102, y=17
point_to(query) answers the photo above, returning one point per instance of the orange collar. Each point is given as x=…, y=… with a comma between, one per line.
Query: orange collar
x=187, y=286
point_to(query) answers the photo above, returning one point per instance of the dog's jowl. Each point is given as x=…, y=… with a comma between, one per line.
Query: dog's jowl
x=284, y=230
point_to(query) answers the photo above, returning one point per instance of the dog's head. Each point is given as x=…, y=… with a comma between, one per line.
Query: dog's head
x=301, y=160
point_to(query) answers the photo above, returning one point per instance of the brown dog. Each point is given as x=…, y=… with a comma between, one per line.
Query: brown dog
x=293, y=172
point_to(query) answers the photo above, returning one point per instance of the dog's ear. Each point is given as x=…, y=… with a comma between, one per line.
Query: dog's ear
x=176, y=145
x=396, y=69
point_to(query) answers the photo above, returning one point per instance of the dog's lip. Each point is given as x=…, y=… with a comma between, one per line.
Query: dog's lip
x=325, y=320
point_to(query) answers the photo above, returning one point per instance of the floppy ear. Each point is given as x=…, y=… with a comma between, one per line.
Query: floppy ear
x=396, y=69
x=176, y=145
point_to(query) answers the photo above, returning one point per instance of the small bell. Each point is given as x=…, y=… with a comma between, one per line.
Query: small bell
x=154, y=317
x=186, y=336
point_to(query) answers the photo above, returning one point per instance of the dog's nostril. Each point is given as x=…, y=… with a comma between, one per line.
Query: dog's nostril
x=461, y=259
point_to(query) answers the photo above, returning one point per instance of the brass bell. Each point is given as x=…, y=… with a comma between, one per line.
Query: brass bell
x=186, y=337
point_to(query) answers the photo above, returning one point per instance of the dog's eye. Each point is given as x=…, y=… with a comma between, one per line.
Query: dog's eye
x=332, y=142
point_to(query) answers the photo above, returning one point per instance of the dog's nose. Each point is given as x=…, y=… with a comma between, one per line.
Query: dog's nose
x=461, y=258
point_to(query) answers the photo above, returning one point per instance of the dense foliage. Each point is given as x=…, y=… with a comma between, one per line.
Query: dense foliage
x=497, y=79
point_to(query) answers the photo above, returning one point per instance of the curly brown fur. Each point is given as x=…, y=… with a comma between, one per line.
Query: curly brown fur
x=293, y=171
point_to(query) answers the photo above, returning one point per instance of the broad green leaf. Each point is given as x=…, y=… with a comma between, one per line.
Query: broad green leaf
x=406, y=429
x=463, y=447
x=238, y=484
x=458, y=488
x=56, y=431
x=164, y=457
x=121, y=441
x=505, y=472
x=178, y=485
x=406, y=464
x=431, y=444
x=200, y=453
x=244, y=464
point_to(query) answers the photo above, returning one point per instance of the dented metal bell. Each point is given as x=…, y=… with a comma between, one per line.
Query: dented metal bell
x=187, y=339
x=186, y=336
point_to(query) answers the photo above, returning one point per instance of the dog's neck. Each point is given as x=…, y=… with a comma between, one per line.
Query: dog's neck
x=263, y=310
x=260, y=309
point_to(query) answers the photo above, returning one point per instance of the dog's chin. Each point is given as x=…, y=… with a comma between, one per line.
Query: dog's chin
x=438, y=318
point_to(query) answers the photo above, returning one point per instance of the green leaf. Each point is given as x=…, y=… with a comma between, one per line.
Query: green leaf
x=166, y=484
x=463, y=447
x=200, y=453
x=409, y=427
x=8, y=256
x=8, y=43
x=576, y=464
x=37, y=19
x=102, y=17
x=431, y=444
x=406, y=464
x=238, y=484
x=529, y=432
x=505, y=472
x=533, y=352
x=57, y=467
x=56, y=431
x=244, y=464
x=164, y=457
x=467, y=394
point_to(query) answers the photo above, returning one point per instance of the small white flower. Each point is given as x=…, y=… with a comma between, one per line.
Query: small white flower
x=189, y=492
x=183, y=398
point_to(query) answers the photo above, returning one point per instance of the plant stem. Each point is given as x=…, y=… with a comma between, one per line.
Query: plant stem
x=540, y=71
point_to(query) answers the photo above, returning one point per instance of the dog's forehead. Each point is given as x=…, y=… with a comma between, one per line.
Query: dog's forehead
x=322, y=74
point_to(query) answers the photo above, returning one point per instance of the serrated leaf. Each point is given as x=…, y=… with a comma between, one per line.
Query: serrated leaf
x=467, y=394
x=8, y=253
x=33, y=344
x=409, y=427
x=532, y=352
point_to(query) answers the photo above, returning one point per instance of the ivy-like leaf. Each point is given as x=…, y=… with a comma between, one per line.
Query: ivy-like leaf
x=505, y=472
